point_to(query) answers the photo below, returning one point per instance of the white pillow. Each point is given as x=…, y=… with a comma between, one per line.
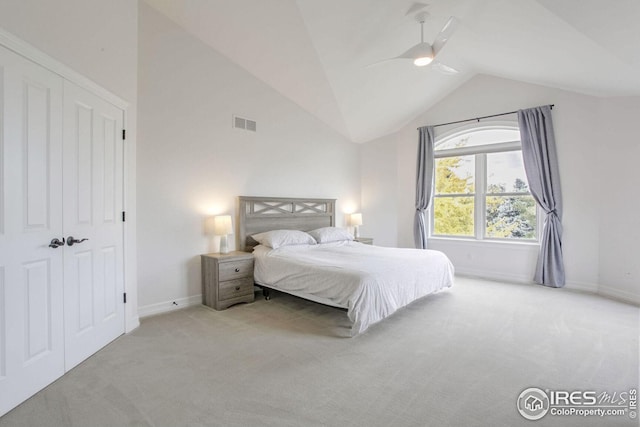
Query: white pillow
x=277, y=238
x=330, y=234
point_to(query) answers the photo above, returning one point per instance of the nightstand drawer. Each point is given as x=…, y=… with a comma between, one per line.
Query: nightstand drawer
x=227, y=279
x=235, y=269
x=235, y=288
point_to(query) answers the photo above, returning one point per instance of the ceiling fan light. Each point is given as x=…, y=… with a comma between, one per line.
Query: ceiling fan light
x=421, y=61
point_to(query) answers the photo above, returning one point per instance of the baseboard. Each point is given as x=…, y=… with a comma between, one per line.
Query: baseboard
x=582, y=286
x=500, y=277
x=617, y=294
x=592, y=288
x=165, y=307
x=131, y=324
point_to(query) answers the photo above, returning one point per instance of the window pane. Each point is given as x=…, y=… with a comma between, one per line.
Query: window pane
x=480, y=137
x=453, y=216
x=455, y=175
x=505, y=173
x=511, y=217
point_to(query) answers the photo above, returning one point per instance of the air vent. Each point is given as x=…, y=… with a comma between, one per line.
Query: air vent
x=242, y=123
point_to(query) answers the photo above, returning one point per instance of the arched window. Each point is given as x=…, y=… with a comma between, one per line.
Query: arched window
x=481, y=190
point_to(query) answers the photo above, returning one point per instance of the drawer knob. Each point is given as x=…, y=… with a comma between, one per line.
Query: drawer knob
x=237, y=288
x=237, y=270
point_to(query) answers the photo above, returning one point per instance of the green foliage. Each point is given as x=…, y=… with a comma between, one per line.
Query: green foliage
x=453, y=215
x=510, y=217
x=448, y=181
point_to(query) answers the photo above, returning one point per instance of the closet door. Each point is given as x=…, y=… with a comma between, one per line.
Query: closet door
x=31, y=271
x=93, y=194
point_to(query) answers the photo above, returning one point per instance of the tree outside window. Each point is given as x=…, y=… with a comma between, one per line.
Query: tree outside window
x=481, y=191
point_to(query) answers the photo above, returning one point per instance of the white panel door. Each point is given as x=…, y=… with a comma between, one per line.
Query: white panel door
x=31, y=272
x=93, y=268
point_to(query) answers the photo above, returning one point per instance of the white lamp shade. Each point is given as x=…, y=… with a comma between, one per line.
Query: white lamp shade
x=222, y=225
x=356, y=219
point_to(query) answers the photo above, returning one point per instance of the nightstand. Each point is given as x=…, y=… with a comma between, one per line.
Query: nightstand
x=227, y=279
x=365, y=240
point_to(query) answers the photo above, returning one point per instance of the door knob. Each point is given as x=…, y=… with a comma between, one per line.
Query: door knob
x=71, y=240
x=55, y=243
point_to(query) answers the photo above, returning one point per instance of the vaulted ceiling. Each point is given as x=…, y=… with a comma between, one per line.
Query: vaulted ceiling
x=318, y=53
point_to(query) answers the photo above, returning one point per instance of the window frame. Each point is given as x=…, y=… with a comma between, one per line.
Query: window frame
x=480, y=178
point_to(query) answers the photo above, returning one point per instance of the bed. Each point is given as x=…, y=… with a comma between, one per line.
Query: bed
x=370, y=282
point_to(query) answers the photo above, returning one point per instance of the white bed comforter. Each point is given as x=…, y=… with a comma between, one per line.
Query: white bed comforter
x=372, y=282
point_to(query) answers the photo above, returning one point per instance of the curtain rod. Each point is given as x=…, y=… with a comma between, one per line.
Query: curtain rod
x=480, y=118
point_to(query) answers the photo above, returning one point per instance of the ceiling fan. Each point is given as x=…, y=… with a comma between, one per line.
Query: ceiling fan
x=424, y=53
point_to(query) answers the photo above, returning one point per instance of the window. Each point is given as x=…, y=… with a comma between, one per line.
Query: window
x=481, y=189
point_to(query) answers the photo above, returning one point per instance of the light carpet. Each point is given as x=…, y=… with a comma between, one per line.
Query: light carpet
x=457, y=358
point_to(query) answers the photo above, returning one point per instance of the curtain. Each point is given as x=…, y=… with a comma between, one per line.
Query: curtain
x=541, y=167
x=424, y=184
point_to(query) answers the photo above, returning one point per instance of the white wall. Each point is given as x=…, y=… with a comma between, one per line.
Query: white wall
x=585, y=164
x=378, y=192
x=98, y=39
x=192, y=164
x=619, y=231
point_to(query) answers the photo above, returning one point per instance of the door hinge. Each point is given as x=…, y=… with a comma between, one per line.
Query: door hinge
x=123, y=216
x=124, y=295
x=124, y=134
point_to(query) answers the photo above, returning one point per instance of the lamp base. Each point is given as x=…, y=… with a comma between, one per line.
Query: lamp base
x=224, y=244
x=355, y=232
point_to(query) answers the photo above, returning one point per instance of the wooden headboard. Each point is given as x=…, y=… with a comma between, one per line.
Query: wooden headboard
x=258, y=214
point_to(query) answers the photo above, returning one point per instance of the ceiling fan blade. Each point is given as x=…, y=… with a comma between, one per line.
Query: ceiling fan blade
x=419, y=50
x=444, y=69
x=444, y=34
x=382, y=61
x=423, y=53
